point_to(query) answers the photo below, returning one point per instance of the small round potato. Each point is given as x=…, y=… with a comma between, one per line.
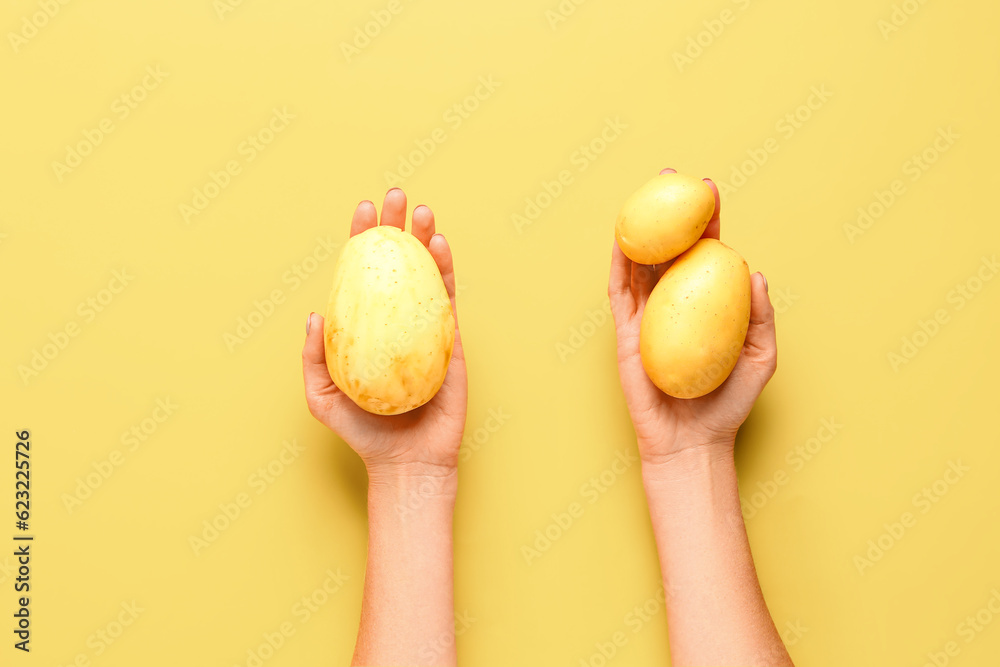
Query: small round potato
x=664, y=217
x=389, y=328
x=696, y=320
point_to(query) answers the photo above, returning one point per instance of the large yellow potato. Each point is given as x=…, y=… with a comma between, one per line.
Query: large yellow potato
x=389, y=327
x=664, y=218
x=696, y=320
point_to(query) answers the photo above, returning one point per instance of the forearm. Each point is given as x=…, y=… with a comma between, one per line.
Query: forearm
x=407, y=614
x=715, y=609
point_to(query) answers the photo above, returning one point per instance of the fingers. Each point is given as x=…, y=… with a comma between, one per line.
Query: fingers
x=713, y=228
x=660, y=269
x=423, y=225
x=394, y=209
x=441, y=252
x=643, y=281
x=364, y=218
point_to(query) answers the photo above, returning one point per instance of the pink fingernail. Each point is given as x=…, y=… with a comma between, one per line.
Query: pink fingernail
x=309, y=321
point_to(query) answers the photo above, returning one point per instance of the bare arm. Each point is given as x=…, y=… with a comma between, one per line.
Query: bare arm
x=715, y=609
x=407, y=613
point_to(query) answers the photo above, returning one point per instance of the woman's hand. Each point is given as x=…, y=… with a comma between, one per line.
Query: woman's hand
x=665, y=425
x=423, y=442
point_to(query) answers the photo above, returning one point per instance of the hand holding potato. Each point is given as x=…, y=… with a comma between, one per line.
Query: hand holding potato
x=424, y=440
x=663, y=424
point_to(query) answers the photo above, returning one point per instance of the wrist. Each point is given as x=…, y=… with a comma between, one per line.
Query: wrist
x=413, y=480
x=687, y=462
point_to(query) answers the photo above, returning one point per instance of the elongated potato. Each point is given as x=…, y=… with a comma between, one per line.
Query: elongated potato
x=664, y=217
x=389, y=328
x=696, y=320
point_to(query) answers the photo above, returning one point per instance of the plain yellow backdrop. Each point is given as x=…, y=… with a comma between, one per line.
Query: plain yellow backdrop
x=803, y=112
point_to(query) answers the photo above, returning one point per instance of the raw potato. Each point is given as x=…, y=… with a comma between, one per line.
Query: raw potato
x=696, y=320
x=389, y=328
x=664, y=217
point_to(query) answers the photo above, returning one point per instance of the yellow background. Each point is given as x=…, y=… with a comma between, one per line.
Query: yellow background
x=843, y=308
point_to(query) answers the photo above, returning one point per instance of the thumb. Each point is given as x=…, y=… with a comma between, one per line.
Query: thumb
x=758, y=358
x=322, y=395
x=761, y=346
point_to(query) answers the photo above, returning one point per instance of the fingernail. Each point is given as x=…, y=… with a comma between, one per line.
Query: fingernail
x=391, y=189
x=309, y=321
x=764, y=279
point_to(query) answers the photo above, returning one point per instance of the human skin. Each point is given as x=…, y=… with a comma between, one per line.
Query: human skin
x=407, y=611
x=715, y=608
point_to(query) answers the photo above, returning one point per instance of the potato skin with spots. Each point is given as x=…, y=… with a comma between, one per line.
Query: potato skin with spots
x=696, y=320
x=389, y=329
x=664, y=217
